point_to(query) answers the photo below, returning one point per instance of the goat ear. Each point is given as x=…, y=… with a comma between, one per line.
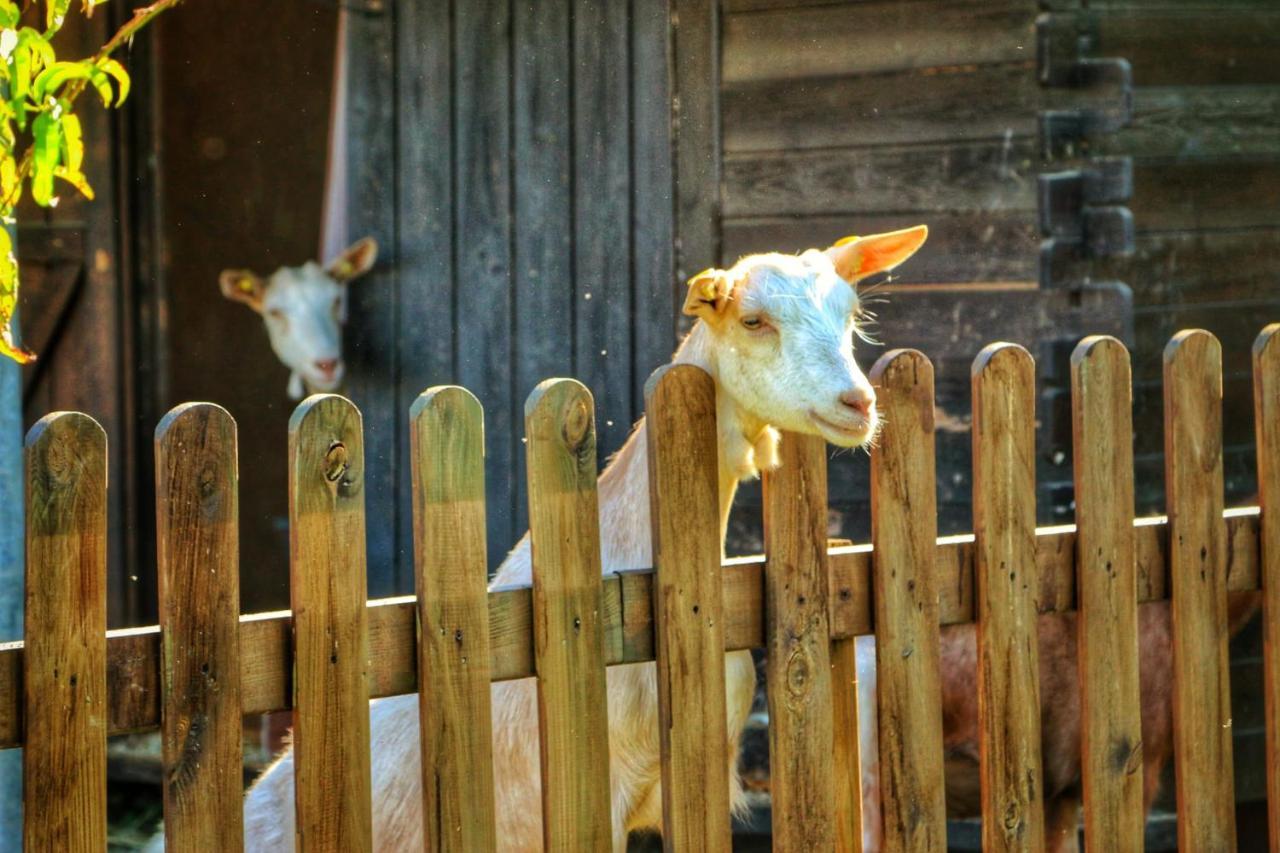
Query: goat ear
x=859, y=257
x=243, y=286
x=708, y=293
x=355, y=260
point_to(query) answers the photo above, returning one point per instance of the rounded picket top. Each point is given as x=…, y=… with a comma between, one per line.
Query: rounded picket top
x=1191, y=345
x=894, y=365
x=1003, y=356
x=66, y=426
x=672, y=381
x=326, y=450
x=446, y=436
x=1267, y=344
x=64, y=451
x=1096, y=349
x=563, y=408
x=199, y=440
x=185, y=415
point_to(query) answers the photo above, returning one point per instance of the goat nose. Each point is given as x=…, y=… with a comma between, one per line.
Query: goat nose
x=328, y=366
x=860, y=400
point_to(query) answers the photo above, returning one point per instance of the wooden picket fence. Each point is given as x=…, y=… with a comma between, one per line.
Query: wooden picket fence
x=73, y=683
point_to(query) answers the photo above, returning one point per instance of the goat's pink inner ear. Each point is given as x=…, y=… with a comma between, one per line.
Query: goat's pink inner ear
x=243, y=286
x=355, y=260
x=858, y=257
x=708, y=293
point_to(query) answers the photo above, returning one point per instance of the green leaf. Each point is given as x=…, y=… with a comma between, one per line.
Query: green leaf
x=9, y=14
x=116, y=70
x=55, y=14
x=48, y=136
x=72, y=141
x=57, y=75
x=21, y=71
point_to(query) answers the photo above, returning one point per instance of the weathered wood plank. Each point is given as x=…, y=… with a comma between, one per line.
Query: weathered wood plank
x=446, y=428
x=330, y=630
x=372, y=332
x=652, y=188
x=542, y=263
x=266, y=656
x=1107, y=588
x=1004, y=542
x=425, y=348
x=1266, y=379
x=865, y=38
x=695, y=109
x=798, y=669
x=991, y=175
x=1198, y=123
x=482, y=242
x=64, y=672
x=198, y=564
x=684, y=507
x=1266, y=397
x=904, y=527
x=1197, y=562
x=567, y=616
x=1214, y=195
x=953, y=103
x=602, y=204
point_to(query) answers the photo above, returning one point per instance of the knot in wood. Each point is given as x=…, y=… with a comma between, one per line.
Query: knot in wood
x=799, y=675
x=335, y=462
x=576, y=422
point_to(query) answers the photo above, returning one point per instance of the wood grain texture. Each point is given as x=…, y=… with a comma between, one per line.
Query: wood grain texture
x=680, y=409
x=695, y=109
x=568, y=636
x=64, y=768
x=330, y=635
x=798, y=669
x=198, y=561
x=266, y=651
x=1107, y=590
x=904, y=528
x=1004, y=543
x=446, y=429
x=1266, y=401
x=1197, y=564
x=847, y=751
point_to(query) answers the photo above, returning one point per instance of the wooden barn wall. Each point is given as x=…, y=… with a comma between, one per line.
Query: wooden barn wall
x=514, y=161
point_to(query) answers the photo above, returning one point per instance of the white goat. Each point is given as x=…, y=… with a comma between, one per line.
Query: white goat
x=304, y=308
x=776, y=333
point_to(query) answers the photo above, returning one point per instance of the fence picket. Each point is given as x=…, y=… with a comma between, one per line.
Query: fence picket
x=904, y=530
x=1107, y=591
x=567, y=616
x=64, y=780
x=847, y=751
x=1266, y=413
x=197, y=558
x=801, y=738
x=1004, y=525
x=331, y=655
x=446, y=434
x=1197, y=574
x=680, y=409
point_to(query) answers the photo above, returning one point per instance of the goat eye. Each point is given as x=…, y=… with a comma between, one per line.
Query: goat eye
x=752, y=323
x=276, y=314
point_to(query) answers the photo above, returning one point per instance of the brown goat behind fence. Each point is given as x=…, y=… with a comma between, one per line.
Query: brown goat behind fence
x=72, y=683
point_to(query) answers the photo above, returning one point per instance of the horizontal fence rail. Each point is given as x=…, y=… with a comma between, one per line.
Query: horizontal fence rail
x=71, y=683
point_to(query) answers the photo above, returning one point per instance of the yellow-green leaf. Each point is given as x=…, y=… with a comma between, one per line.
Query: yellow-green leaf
x=72, y=141
x=48, y=137
x=9, y=302
x=116, y=70
x=76, y=179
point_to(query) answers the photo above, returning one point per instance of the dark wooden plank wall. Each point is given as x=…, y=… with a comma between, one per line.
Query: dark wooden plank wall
x=514, y=160
x=858, y=117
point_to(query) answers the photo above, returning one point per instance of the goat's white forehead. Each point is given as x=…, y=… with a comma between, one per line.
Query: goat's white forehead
x=790, y=285
x=301, y=286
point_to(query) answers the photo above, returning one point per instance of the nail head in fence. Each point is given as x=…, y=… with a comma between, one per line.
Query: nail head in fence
x=1266, y=413
x=446, y=433
x=798, y=669
x=1197, y=564
x=567, y=616
x=197, y=558
x=65, y=652
x=331, y=657
x=904, y=530
x=1107, y=591
x=1004, y=525
x=680, y=409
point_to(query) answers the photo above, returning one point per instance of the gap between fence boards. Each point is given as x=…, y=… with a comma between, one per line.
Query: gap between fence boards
x=133, y=654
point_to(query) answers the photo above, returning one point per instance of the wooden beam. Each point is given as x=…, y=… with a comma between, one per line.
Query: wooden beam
x=266, y=658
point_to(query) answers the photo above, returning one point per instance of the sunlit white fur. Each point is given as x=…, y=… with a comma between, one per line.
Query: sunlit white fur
x=790, y=376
